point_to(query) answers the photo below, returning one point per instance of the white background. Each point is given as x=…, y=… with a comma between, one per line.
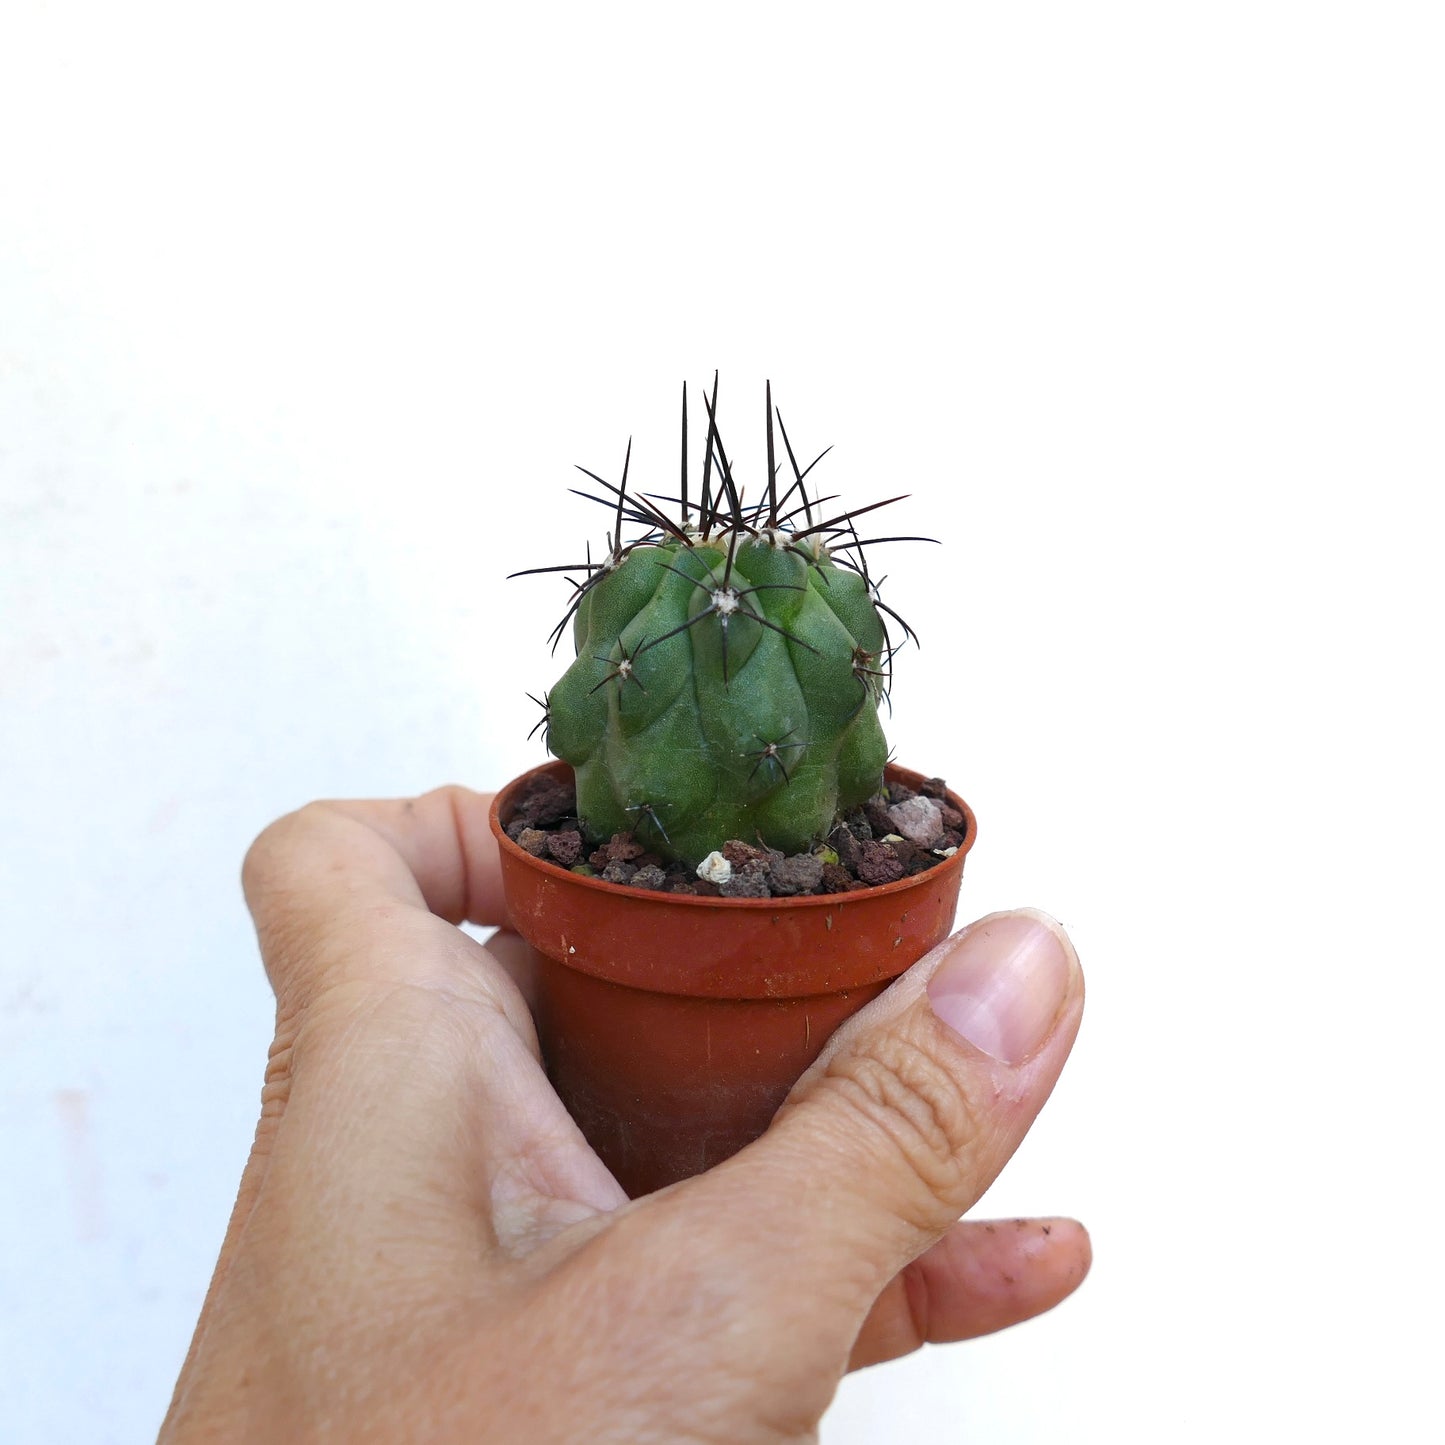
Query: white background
x=306, y=312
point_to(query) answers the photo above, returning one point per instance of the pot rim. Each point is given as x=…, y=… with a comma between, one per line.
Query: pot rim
x=559, y=769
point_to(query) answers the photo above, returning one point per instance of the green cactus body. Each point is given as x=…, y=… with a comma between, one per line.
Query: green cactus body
x=714, y=699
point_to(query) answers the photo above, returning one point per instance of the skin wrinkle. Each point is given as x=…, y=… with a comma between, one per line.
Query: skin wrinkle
x=888, y=1096
x=688, y=1307
x=524, y=1211
x=914, y=1103
x=462, y=983
x=333, y=1037
x=685, y=1276
x=275, y=1093
x=361, y=1013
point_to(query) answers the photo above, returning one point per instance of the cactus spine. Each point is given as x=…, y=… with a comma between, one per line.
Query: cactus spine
x=729, y=667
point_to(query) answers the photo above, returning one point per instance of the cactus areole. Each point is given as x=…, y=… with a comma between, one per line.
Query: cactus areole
x=731, y=659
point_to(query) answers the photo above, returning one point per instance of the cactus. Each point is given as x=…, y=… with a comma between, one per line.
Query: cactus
x=730, y=664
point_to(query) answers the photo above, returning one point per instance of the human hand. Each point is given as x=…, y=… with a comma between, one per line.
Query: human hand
x=424, y=1248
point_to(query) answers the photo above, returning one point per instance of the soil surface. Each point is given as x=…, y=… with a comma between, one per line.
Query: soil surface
x=894, y=835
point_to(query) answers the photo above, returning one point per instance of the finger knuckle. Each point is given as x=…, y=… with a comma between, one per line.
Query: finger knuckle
x=268, y=880
x=266, y=859
x=908, y=1103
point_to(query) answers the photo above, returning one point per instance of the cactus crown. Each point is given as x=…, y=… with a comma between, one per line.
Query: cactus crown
x=730, y=662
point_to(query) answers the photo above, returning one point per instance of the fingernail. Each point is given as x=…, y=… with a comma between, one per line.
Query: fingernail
x=1003, y=985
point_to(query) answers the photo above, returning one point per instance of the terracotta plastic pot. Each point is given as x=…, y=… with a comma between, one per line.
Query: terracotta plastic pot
x=673, y=1026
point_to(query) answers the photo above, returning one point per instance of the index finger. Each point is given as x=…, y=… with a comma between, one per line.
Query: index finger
x=338, y=889
x=446, y=841
x=405, y=1059
x=442, y=839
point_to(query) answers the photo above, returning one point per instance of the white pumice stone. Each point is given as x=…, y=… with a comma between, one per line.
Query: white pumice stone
x=715, y=868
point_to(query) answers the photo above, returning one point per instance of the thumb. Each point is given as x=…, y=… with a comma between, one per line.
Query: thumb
x=909, y=1114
